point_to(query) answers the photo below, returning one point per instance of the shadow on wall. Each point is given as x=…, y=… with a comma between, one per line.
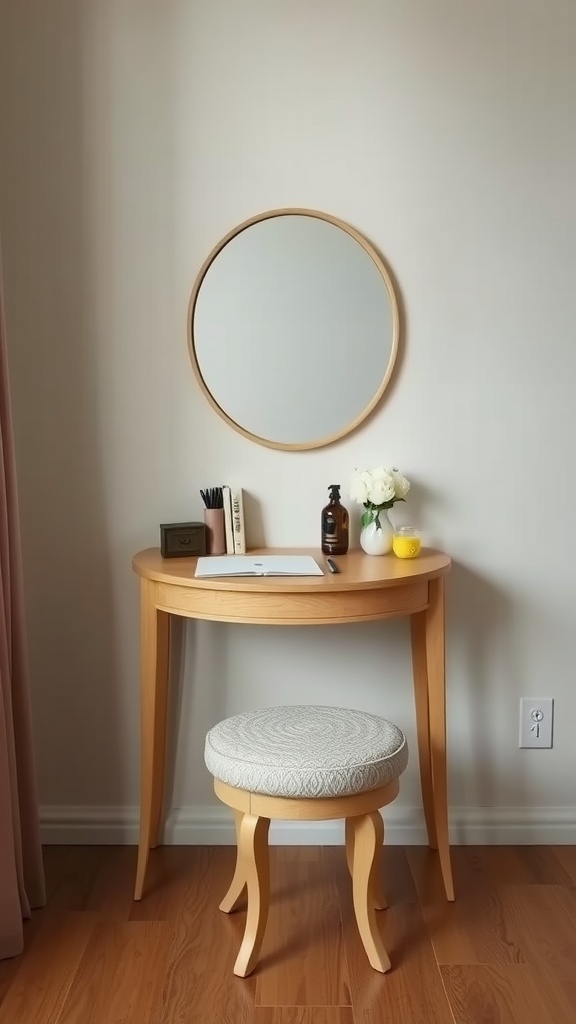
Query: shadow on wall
x=199, y=661
x=53, y=324
x=480, y=619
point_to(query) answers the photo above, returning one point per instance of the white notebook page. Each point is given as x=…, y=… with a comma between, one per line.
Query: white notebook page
x=257, y=565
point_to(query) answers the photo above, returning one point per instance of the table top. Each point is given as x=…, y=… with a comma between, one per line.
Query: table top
x=358, y=571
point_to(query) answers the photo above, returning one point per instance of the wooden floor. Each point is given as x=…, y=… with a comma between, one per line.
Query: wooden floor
x=504, y=953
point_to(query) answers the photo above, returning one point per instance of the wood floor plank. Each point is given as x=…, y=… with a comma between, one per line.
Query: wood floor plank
x=121, y=975
x=93, y=956
x=111, y=892
x=8, y=971
x=302, y=960
x=173, y=869
x=488, y=866
x=504, y=994
x=412, y=991
x=473, y=929
x=40, y=987
x=303, y=1015
x=395, y=875
x=10, y=968
x=547, y=935
x=544, y=865
x=199, y=985
x=569, y=902
x=566, y=857
x=70, y=872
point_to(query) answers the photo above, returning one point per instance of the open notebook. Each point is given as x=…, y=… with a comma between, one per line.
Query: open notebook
x=257, y=565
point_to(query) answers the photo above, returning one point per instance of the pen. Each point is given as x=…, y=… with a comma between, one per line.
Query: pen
x=332, y=565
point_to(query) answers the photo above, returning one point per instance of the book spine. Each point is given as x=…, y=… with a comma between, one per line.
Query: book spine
x=228, y=529
x=238, y=522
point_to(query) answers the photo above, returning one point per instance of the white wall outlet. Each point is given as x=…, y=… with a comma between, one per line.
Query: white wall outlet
x=536, y=720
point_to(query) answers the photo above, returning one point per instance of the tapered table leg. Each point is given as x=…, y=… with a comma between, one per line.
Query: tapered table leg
x=420, y=674
x=154, y=654
x=435, y=660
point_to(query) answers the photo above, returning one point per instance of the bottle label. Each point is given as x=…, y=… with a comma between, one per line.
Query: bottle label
x=329, y=528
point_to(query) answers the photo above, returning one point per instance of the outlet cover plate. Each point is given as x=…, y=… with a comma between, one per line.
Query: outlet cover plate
x=536, y=721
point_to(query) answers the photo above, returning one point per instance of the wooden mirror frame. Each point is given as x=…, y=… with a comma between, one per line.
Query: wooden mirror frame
x=349, y=427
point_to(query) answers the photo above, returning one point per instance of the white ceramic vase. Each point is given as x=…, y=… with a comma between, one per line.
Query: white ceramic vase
x=377, y=540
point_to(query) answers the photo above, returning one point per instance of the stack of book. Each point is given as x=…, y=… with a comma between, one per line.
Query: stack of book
x=234, y=520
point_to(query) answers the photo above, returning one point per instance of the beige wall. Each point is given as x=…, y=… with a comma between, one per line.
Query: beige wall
x=133, y=135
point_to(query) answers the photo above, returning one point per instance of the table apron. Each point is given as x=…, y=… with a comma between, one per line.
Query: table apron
x=292, y=609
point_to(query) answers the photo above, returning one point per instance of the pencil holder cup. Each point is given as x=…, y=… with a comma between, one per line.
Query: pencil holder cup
x=215, y=534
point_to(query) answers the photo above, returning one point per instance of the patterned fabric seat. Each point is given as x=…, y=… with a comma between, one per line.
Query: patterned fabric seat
x=306, y=751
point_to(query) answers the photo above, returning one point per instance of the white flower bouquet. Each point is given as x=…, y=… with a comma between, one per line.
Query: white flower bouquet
x=377, y=489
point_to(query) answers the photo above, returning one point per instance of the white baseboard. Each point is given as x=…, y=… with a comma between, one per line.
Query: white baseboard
x=213, y=826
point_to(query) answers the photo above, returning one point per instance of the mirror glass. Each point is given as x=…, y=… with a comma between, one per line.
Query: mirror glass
x=293, y=328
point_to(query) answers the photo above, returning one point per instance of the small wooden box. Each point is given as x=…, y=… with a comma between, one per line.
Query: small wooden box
x=181, y=540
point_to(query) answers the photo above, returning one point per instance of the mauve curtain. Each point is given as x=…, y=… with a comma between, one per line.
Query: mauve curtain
x=21, y=873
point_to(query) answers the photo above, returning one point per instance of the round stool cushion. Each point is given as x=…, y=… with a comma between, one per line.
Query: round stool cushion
x=306, y=751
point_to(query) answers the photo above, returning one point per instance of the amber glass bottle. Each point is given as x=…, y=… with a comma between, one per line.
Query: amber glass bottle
x=334, y=524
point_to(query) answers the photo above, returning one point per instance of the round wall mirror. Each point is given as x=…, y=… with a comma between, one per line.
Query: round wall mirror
x=293, y=328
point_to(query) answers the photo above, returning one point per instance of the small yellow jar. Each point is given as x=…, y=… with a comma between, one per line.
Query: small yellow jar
x=406, y=542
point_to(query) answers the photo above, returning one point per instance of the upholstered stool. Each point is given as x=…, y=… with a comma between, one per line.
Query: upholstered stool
x=306, y=764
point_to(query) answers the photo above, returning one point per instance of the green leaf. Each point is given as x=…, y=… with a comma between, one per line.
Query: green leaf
x=367, y=517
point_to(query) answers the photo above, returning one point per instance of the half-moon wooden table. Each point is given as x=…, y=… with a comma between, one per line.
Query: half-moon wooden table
x=366, y=588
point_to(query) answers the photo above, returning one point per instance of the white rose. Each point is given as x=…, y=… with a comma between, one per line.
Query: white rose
x=382, y=487
x=401, y=484
x=360, y=485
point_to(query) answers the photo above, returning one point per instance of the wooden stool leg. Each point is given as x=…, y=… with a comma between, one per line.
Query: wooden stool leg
x=376, y=895
x=238, y=882
x=253, y=862
x=368, y=835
